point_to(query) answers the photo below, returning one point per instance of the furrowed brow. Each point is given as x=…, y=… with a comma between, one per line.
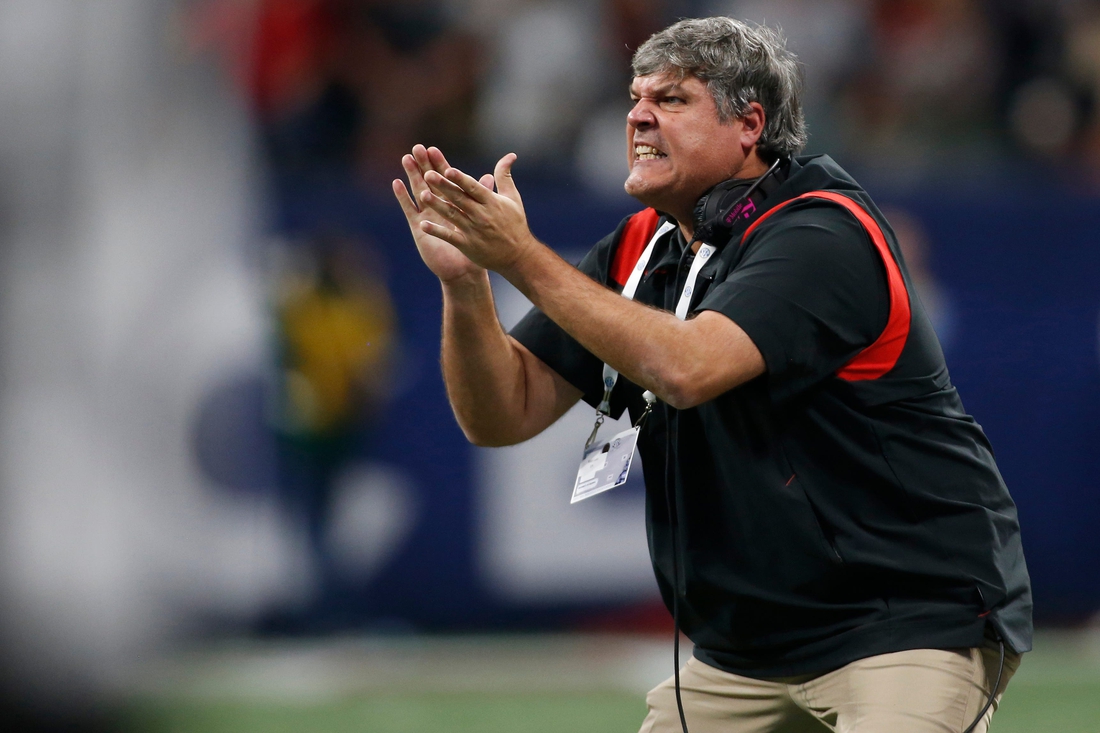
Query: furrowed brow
x=668, y=89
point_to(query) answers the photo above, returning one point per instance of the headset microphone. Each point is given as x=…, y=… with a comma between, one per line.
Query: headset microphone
x=720, y=209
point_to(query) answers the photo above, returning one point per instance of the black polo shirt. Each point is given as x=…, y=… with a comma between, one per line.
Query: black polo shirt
x=841, y=505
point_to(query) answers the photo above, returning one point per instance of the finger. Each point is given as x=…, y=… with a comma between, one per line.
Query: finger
x=439, y=163
x=415, y=175
x=444, y=207
x=423, y=160
x=408, y=206
x=451, y=236
x=503, y=174
x=469, y=185
x=444, y=188
x=437, y=159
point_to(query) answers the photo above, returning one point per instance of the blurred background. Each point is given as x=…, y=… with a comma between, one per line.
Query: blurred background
x=232, y=494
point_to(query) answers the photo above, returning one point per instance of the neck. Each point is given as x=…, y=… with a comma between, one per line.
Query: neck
x=688, y=231
x=753, y=167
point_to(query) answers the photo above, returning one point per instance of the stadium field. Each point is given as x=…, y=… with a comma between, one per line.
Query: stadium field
x=497, y=684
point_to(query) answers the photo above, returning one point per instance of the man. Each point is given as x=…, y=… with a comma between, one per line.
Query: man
x=826, y=523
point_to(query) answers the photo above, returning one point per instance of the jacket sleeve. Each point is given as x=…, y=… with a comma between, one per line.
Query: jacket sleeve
x=811, y=292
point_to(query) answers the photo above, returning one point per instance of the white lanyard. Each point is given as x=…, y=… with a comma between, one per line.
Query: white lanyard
x=610, y=375
x=701, y=258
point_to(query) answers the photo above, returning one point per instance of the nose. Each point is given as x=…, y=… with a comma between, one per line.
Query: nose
x=641, y=115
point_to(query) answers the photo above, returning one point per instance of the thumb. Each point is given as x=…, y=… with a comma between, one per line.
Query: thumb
x=503, y=174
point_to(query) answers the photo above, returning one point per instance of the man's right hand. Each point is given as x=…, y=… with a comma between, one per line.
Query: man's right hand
x=442, y=258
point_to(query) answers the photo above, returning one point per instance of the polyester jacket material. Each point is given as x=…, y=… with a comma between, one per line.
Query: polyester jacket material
x=841, y=505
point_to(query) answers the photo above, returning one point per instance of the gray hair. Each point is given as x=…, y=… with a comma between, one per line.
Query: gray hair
x=740, y=64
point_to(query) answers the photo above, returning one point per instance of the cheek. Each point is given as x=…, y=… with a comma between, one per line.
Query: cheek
x=712, y=156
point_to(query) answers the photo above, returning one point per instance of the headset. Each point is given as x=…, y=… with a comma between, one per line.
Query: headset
x=721, y=208
x=726, y=204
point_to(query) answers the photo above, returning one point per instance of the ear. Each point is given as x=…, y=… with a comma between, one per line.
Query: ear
x=752, y=125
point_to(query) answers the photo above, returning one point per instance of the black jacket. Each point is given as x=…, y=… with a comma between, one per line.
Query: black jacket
x=841, y=505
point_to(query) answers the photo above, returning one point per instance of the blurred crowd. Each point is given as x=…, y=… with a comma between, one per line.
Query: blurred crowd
x=339, y=90
x=346, y=86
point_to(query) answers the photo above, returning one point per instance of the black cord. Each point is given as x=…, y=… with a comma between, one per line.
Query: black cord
x=676, y=653
x=676, y=625
x=992, y=693
x=673, y=521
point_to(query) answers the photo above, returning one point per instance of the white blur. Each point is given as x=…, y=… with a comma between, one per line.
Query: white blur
x=127, y=195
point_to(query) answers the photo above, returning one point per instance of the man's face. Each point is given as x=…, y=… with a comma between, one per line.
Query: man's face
x=677, y=147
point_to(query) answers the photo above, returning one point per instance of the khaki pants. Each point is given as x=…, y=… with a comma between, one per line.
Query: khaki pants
x=919, y=691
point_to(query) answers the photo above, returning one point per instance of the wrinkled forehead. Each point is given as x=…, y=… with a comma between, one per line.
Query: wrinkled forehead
x=664, y=83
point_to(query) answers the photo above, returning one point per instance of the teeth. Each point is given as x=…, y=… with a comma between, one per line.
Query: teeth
x=647, y=152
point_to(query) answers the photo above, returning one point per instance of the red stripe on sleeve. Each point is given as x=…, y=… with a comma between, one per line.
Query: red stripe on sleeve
x=881, y=356
x=632, y=243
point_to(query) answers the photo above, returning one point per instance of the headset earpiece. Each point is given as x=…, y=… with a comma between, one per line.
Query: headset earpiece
x=723, y=206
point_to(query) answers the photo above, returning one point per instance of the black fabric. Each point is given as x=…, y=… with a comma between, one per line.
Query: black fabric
x=819, y=520
x=811, y=294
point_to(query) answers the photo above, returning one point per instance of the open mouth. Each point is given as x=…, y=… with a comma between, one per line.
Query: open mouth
x=647, y=152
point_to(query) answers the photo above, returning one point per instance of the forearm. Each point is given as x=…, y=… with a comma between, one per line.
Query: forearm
x=682, y=362
x=500, y=392
x=483, y=373
x=622, y=333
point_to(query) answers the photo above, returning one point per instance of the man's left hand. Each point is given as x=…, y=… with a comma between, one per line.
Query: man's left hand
x=489, y=228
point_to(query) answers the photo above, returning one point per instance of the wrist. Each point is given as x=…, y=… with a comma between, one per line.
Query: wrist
x=527, y=262
x=468, y=284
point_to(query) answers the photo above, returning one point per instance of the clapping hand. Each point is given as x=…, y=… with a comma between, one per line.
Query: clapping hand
x=460, y=217
x=441, y=257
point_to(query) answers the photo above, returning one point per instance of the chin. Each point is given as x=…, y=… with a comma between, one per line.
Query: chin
x=645, y=192
x=638, y=188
